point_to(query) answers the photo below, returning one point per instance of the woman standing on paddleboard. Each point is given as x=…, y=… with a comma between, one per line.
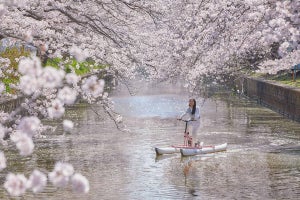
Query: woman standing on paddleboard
x=193, y=113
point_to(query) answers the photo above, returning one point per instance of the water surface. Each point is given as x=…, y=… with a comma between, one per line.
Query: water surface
x=262, y=160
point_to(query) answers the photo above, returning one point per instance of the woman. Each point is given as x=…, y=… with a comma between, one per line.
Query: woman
x=193, y=113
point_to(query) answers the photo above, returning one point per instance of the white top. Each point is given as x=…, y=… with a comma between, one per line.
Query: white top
x=188, y=112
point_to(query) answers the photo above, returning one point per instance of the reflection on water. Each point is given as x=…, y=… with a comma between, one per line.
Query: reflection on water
x=262, y=160
x=163, y=106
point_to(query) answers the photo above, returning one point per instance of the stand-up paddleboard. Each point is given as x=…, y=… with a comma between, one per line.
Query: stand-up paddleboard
x=203, y=150
x=187, y=149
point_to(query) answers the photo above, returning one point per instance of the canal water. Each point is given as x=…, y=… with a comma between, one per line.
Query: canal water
x=262, y=160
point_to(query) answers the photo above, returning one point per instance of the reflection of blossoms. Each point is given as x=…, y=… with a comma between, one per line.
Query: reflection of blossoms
x=23, y=142
x=56, y=110
x=80, y=184
x=29, y=125
x=37, y=181
x=93, y=87
x=2, y=161
x=61, y=174
x=67, y=95
x=15, y=184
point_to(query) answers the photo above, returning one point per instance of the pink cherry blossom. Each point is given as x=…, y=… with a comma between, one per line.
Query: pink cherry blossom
x=80, y=184
x=56, y=110
x=93, y=87
x=28, y=84
x=72, y=78
x=30, y=66
x=15, y=184
x=51, y=77
x=23, y=143
x=61, y=174
x=68, y=125
x=29, y=125
x=37, y=181
x=67, y=95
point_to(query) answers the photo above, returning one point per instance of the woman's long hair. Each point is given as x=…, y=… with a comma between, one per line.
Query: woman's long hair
x=194, y=107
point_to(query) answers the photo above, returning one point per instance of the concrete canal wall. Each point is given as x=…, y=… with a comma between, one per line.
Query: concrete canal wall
x=281, y=98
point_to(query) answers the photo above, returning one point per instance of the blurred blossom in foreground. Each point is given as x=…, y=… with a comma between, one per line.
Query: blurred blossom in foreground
x=80, y=184
x=23, y=142
x=60, y=175
x=30, y=66
x=68, y=125
x=28, y=85
x=15, y=184
x=67, y=95
x=51, y=77
x=93, y=87
x=72, y=78
x=29, y=125
x=56, y=110
x=37, y=181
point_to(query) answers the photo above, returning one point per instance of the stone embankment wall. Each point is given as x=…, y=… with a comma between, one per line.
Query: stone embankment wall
x=281, y=98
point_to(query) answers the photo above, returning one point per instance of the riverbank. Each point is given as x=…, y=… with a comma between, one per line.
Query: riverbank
x=281, y=98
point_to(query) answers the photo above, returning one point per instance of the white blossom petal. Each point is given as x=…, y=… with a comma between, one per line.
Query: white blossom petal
x=80, y=184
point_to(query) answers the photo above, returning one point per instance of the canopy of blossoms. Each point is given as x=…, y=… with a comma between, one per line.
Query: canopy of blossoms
x=164, y=38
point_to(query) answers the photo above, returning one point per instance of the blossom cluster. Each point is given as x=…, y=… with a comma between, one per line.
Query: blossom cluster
x=46, y=92
x=17, y=184
x=52, y=89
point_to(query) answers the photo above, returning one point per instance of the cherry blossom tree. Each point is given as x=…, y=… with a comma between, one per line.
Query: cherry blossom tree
x=165, y=38
x=213, y=40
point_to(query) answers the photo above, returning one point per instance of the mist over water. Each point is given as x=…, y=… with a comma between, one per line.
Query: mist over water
x=262, y=160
